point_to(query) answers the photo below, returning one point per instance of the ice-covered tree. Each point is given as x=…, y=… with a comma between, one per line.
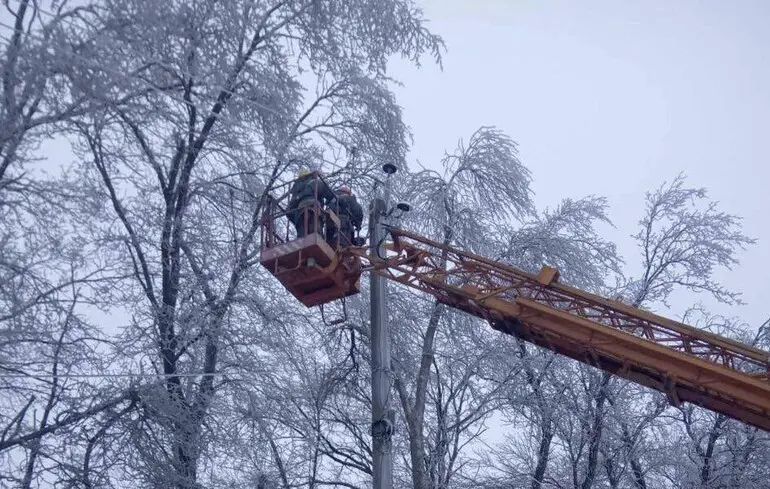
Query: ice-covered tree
x=48, y=279
x=684, y=237
x=193, y=110
x=480, y=185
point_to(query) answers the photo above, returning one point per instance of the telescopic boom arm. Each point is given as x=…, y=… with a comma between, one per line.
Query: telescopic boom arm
x=685, y=363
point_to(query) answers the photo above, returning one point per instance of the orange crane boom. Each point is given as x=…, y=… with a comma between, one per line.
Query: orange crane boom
x=685, y=363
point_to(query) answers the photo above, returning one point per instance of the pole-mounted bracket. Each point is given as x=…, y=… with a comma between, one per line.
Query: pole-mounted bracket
x=385, y=427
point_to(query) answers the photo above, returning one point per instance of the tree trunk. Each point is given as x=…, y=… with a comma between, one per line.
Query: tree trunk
x=547, y=428
x=708, y=454
x=636, y=470
x=613, y=478
x=597, y=425
x=416, y=414
x=417, y=456
x=636, y=467
x=543, y=454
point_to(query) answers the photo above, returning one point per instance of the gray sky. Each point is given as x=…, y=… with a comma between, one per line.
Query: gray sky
x=612, y=98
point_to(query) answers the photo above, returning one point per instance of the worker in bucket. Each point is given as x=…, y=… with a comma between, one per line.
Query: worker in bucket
x=306, y=192
x=351, y=216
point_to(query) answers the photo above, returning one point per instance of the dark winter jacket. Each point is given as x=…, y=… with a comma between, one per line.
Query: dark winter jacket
x=303, y=192
x=349, y=208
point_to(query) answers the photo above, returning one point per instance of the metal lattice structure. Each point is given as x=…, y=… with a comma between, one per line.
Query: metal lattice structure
x=685, y=363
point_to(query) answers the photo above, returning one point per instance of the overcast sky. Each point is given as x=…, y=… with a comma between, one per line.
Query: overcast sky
x=612, y=98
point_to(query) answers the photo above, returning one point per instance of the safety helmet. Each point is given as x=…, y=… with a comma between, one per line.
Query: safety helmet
x=344, y=190
x=303, y=172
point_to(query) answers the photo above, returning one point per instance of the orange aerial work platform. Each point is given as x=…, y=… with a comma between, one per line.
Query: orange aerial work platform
x=685, y=363
x=302, y=248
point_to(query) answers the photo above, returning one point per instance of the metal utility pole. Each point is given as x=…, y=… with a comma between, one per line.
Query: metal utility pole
x=383, y=417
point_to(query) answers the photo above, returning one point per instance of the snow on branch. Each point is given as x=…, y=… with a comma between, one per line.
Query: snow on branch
x=566, y=238
x=481, y=185
x=684, y=238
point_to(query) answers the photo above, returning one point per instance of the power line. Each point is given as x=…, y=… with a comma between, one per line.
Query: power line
x=44, y=375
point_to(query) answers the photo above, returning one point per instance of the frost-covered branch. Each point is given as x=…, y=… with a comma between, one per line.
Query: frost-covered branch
x=684, y=237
